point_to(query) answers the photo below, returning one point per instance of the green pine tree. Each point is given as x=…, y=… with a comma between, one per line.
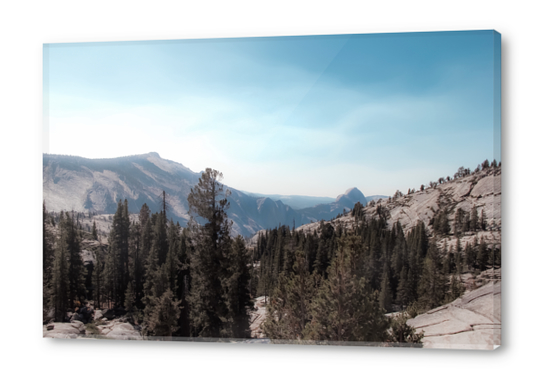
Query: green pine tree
x=172, y=258
x=456, y=288
x=385, y=296
x=129, y=298
x=137, y=264
x=458, y=259
x=164, y=316
x=76, y=270
x=401, y=332
x=60, y=284
x=458, y=222
x=290, y=302
x=236, y=284
x=470, y=258
x=98, y=280
x=345, y=309
x=474, y=220
x=432, y=283
x=94, y=231
x=482, y=257
x=119, y=250
x=109, y=281
x=48, y=261
x=211, y=244
x=448, y=263
x=403, y=297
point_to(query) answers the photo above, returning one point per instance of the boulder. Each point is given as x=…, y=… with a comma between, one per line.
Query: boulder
x=76, y=317
x=105, y=330
x=121, y=331
x=98, y=314
x=64, y=330
x=109, y=314
x=88, y=257
x=78, y=324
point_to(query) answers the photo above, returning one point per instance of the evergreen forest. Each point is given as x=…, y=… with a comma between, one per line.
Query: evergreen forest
x=331, y=285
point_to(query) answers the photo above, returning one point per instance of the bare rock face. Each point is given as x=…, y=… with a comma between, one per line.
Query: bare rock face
x=88, y=257
x=481, y=190
x=98, y=314
x=472, y=321
x=74, y=329
x=114, y=329
x=119, y=330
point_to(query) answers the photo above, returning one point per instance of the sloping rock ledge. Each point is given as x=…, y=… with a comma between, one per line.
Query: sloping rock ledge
x=472, y=321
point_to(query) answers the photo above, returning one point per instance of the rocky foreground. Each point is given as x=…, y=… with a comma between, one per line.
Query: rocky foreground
x=66, y=330
x=472, y=321
x=101, y=328
x=257, y=317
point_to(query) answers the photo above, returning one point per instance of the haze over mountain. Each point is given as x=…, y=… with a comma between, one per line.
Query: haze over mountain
x=296, y=201
x=96, y=185
x=343, y=202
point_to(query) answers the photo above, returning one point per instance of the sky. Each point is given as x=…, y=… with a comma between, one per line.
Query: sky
x=307, y=115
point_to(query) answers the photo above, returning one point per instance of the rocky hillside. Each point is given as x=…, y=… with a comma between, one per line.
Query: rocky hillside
x=81, y=184
x=472, y=321
x=480, y=190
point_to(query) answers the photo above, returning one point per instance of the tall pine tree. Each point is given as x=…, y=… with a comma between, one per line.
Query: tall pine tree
x=211, y=244
x=76, y=270
x=431, y=287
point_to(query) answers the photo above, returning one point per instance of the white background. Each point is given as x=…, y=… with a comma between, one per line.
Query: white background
x=25, y=25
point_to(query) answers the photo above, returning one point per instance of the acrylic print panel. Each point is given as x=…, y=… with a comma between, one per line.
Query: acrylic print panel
x=340, y=189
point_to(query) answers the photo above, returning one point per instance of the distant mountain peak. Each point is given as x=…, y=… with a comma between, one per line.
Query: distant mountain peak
x=353, y=194
x=95, y=185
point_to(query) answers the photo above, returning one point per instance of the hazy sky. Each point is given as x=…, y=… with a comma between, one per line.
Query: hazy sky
x=284, y=115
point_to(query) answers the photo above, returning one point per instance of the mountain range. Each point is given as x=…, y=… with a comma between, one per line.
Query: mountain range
x=96, y=185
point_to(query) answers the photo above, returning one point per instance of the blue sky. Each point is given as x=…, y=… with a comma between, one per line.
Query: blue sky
x=284, y=115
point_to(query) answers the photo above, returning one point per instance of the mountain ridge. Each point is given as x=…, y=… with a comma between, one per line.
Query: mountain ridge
x=97, y=184
x=480, y=190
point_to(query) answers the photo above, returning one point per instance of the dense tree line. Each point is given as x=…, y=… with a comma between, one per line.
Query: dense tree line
x=334, y=283
x=63, y=272
x=191, y=282
x=337, y=283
